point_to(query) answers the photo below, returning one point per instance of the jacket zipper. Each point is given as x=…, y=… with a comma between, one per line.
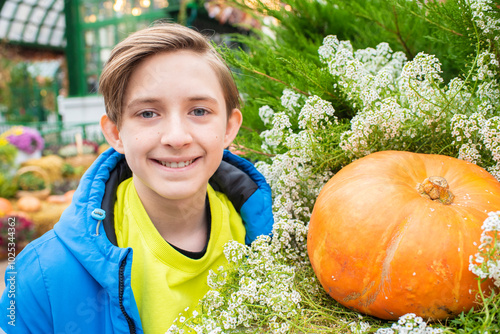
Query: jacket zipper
x=121, y=288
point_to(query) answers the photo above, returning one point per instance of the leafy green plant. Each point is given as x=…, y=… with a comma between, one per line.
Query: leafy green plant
x=8, y=186
x=8, y=154
x=30, y=181
x=69, y=171
x=480, y=320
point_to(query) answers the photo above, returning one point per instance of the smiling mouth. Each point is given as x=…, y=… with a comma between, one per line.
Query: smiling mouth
x=180, y=164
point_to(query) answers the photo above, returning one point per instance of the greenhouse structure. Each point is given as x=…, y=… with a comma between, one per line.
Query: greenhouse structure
x=68, y=42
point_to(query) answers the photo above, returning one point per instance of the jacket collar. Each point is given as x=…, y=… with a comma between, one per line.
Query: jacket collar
x=79, y=231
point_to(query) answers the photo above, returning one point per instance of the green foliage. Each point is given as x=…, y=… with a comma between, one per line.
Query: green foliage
x=438, y=28
x=485, y=319
x=8, y=154
x=8, y=186
x=70, y=171
x=288, y=57
x=22, y=95
x=25, y=96
x=67, y=170
x=30, y=182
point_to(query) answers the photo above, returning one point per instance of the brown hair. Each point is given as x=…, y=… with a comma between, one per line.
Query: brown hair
x=162, y=37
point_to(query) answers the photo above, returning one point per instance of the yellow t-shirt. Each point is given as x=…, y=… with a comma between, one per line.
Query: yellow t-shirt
x=164, y=281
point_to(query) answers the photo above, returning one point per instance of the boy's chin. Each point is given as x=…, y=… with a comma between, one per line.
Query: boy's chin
x=183, y=193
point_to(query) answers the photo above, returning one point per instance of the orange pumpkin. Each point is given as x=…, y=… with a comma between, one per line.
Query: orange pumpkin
x=56, y=199
x=29, y=204
x=5, y=206
x=392, y=233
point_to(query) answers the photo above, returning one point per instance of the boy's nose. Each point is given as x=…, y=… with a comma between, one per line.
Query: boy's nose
x=176, y=133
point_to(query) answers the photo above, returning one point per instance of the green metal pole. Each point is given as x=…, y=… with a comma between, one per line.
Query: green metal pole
x=74, y=49
x=2, y=2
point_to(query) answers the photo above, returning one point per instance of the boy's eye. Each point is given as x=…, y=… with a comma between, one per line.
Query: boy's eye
x=199, y=112
x=148, y=114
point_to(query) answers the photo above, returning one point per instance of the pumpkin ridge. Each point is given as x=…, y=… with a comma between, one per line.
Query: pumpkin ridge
x=391, y=252
x=382, y=279
x=458, y=279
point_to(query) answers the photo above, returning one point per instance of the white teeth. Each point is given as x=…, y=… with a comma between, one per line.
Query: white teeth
x=176, y=164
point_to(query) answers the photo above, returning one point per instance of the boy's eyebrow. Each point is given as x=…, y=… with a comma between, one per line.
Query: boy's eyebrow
x=141, y=101
x=202, y=98
x=154, y=100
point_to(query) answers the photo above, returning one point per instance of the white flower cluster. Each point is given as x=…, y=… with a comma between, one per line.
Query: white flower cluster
x=255, y=288
x=275, y=136
x=474, y=124
x=390, y=93
x=364, y=76
x=381, y=125
x=361, y=327
x=487, y=66
x=293, y=175
x=316, y=114
x=481, y=10
x=486, y=263
x=478, y=136
x=398, y=101
x=419, y=89
x=290, y=99
x=409, y=324
x=381, y=59
x=266, y=114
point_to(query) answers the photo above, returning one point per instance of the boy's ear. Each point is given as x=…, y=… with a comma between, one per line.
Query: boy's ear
x=111, y=133
x=233, y=126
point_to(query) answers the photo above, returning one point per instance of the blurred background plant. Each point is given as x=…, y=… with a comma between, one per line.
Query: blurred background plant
x=25, y=139
x=8, y=187
x=25, y=94
x=8, y=154
x=71, y=150
x=30, y=182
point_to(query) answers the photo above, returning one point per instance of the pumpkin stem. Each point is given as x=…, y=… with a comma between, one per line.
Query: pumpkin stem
x=436, y=188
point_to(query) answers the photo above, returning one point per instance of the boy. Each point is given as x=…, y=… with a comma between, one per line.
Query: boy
x=152, y=214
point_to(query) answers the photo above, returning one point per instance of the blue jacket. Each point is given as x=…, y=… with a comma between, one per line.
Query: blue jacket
x=74, y=279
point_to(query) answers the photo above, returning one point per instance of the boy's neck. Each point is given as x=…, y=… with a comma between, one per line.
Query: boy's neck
x=181, y=223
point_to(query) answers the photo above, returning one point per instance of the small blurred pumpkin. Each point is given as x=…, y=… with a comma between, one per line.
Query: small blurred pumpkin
x=29, y=204
x=5, y=207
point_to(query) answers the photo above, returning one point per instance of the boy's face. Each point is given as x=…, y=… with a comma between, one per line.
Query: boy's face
x=174, y=127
